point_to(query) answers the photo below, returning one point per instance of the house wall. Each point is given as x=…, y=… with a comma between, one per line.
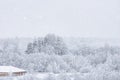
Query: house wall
x=18, y=73
x=2, y=74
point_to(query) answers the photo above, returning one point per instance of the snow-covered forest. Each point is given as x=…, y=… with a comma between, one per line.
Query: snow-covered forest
x=63, y=58
x=59, y=39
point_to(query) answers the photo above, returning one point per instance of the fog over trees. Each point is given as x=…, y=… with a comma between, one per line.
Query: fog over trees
x=51, y=54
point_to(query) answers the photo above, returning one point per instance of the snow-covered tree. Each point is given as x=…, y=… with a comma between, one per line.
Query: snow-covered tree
x=29, y=48
x=49, y=44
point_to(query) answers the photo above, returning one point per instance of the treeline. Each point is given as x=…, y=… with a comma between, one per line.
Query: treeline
x=51, y=54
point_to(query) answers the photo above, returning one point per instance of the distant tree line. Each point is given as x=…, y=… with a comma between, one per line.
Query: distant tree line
x=51, y=54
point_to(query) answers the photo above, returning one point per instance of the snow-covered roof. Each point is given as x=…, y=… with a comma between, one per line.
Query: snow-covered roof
x=10, y=69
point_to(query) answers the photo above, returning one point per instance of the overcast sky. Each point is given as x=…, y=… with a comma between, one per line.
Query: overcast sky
x=77, y=18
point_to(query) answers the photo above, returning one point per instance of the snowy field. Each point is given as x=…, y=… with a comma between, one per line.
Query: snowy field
x=67, y=76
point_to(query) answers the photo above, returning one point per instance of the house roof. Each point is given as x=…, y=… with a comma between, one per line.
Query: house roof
x=10, y=69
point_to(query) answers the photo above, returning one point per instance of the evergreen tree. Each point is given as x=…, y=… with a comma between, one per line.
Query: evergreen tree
x=29, y=48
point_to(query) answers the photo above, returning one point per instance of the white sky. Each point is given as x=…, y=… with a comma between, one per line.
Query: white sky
x=77, y=18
